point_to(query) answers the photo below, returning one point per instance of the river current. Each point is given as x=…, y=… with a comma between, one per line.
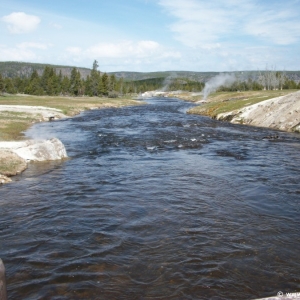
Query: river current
x=155, y=203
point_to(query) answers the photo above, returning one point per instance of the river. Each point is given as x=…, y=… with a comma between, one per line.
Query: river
x=155, y=203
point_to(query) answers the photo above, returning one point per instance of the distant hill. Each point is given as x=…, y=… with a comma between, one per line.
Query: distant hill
x=24, y=69
x=196, y=76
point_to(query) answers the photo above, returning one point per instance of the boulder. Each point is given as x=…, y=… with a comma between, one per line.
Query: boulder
x=14, y=156
x=37, y=150
x=10, y=164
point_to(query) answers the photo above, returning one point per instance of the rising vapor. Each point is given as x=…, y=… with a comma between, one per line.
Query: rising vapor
x=214, y=83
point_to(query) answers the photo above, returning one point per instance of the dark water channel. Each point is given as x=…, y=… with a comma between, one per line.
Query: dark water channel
x=155, y=204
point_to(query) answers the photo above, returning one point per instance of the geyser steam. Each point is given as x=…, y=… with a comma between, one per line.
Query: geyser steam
x=214, y=83
x=167, y=82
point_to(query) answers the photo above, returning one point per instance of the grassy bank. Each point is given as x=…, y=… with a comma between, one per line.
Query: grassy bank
x=228, y=101
x=12, y=124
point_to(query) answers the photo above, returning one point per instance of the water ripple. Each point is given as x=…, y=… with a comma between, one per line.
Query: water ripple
x=154, y=204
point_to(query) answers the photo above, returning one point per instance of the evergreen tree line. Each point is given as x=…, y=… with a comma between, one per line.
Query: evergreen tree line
x=181, y=84
x=101, y=84
x=96, y=84
x=53, y=84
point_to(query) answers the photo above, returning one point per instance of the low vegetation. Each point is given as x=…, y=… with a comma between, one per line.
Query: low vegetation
x=222, y=102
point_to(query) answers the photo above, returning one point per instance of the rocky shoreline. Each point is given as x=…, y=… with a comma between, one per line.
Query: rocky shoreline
x=15, y=156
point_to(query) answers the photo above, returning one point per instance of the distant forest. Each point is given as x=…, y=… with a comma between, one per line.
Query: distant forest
x=55, y=81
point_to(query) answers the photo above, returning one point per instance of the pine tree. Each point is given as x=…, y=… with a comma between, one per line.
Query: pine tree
x=95, y=65
x=58, y=83
x=112, y=83
x=105, y=86
x=87, y=86
x=20, y=84
x=34, y=85
x=94, y=80
x=45, y=77
x=75, y=82
x=34, y=88
x=1, y=84
x=34, y=75
x=8, y=86
x=65, y=85
x=50, y=86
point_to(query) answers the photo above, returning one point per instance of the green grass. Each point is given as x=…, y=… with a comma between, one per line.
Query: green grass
x=228, y=101
x=69, y=105
x=12, y=124
x=12, y=130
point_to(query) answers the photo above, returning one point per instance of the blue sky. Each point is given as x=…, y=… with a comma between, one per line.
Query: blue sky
x=153, y=35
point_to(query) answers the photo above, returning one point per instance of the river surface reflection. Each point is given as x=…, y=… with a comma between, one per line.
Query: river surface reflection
x=154, y=204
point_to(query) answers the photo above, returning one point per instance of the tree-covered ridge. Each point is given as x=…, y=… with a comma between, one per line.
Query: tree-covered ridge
x=23, y=69
x=54, y=80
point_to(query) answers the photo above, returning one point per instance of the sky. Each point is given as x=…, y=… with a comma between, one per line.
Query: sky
x=153, y=35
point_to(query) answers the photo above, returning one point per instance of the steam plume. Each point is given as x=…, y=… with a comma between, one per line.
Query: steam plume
x=167, y=82
x=214, y=83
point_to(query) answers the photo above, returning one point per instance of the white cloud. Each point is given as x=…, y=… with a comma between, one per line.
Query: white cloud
x=27, y=45
x=55, y=25
x=281, y=27
x=124, y=49
x=74, y=50
x=17, y=54
x=126, y=54
x=26, y=51
x=202, y=23
x=19, y=22
x=199, y=22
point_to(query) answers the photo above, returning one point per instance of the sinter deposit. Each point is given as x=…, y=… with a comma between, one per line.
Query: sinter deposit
x=281, y=113
x=44, y=113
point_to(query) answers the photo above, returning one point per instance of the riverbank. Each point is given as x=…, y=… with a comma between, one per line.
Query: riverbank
x=272, y=109
x=281, y=113
x=19, y=112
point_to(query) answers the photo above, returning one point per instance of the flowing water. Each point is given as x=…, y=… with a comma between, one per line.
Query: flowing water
x=155, y=204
